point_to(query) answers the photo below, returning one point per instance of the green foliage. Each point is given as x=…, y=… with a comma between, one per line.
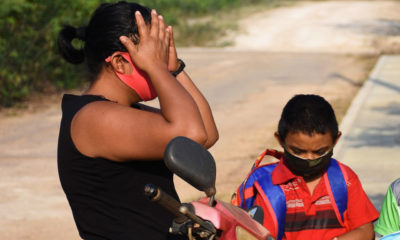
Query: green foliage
x=189, y=7
x=29, y=59
x=28, y=52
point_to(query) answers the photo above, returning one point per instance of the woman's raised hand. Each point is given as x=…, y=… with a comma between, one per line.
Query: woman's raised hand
x=152, y=50
x=173, y=63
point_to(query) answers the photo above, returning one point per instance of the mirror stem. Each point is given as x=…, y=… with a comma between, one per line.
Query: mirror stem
x=211, y=202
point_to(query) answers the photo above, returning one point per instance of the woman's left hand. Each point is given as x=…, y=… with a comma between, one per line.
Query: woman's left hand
x=151, y=53
x=173, y=63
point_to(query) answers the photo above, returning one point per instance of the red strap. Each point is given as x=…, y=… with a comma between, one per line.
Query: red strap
x=269, y=207
x=270, y=152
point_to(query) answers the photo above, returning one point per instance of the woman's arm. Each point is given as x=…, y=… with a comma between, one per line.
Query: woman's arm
x=204, y=108
x=121, y=133
x=201, y=102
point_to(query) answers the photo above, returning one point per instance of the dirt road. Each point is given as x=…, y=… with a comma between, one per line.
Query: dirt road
x=246, y=89
x=324, y=26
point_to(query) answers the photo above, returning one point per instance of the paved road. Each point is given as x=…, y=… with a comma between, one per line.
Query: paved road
x=238, y=74
x=323, y=26
x=371, y=144
x=246, y=90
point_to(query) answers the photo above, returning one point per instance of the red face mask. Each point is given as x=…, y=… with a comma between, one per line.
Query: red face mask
x=137, y=80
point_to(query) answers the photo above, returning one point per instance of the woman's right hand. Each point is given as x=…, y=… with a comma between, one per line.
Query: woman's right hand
x=152, y=50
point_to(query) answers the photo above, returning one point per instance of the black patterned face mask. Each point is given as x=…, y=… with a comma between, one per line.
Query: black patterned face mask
x=307, y=168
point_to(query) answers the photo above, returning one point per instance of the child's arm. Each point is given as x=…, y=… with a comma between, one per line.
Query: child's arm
x=388, y=221
x=364, y=232
x=361, y=213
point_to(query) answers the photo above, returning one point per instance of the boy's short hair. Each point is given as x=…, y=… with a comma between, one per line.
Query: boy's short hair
x=307, y=114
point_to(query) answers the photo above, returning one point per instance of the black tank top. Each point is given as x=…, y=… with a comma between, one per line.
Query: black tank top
x=106, y=197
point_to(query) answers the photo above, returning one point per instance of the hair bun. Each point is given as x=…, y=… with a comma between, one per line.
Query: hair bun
x=81, y=33
x=67, y=50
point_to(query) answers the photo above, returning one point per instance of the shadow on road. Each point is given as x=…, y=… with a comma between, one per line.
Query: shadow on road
x=377, y=200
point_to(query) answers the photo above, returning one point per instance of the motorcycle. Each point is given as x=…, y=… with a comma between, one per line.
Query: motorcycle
x=206, y=218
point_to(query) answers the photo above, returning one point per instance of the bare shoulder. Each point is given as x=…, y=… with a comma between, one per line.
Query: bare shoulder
x=92, y=116
x=117, y=132
x=95, y=122
x=89, y=122
x=105, y=112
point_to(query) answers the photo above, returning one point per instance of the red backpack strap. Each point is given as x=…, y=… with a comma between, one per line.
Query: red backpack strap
x=259, y=182
x=270, y=152
x=245, y=193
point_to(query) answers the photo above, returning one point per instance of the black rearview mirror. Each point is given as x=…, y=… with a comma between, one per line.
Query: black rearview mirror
x=192, y=162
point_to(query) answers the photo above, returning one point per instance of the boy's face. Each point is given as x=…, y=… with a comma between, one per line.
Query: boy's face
x=307, y=155
x=308, y=147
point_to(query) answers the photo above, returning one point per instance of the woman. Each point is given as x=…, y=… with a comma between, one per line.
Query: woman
x=110, y=145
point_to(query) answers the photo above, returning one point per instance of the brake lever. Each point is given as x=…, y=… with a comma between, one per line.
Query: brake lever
x=189, y=214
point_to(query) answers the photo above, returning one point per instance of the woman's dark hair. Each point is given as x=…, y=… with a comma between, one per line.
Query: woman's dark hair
x=101, y=36
x=307, y=114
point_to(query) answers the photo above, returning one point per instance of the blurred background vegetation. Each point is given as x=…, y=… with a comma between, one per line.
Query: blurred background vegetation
x=29, y=60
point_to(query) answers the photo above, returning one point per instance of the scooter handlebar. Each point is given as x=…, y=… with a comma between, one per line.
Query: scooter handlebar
x=155, y=194
x=182, y=212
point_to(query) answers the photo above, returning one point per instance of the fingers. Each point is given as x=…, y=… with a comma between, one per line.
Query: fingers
x=161, y=28
x=158, y=27
x=154, y=31
x=167, y=39
x=173, y=63
x=141, y=24
x=171, y=39
x=153, y=46
x=130, y=46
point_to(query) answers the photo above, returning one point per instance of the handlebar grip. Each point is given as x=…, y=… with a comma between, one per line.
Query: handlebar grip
x=155, y=194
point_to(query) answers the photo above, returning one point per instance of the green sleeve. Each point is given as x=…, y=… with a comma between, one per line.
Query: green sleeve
x=388, y=221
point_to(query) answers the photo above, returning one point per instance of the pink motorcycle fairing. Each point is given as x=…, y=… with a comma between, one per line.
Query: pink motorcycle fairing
x=227, y=218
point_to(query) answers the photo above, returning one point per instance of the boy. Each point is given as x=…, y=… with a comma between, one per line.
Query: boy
x=389, y=219
x=308, y=194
